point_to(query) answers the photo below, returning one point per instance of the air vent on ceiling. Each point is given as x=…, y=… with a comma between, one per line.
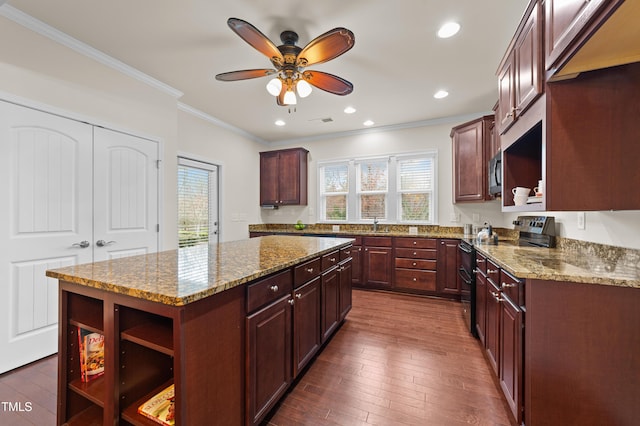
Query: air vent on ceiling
x=324, y=120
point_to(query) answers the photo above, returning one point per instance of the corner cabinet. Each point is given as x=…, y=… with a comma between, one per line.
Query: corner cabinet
x=472, y=142
x=283, y=177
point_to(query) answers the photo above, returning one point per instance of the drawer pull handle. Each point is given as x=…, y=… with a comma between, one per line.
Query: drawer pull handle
x=480, y=261
x=415, y=242
x=333, y=259
x=310, y=270
x=510, y=285
x=414, y=253
x=274, y=288
x=492, y=271
x=348, y=252
x=415, y=279
x=414, y=263
x=497, y=297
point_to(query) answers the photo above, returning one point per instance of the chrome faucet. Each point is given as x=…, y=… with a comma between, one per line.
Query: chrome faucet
x=375, y=224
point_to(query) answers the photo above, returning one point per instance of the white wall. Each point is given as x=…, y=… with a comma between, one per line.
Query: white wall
x=428, y=138
x=615, y=228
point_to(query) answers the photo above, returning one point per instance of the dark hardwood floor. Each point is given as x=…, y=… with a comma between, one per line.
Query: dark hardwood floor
x=397, y=360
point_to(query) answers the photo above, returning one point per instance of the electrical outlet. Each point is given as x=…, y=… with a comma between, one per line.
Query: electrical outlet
x=581, y=220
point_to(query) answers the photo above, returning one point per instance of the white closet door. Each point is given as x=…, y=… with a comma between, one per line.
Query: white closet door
x=45, y=222
x=125, y=195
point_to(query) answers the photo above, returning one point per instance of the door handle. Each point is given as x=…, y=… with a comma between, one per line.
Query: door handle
x=81, y=244
x=102, y=243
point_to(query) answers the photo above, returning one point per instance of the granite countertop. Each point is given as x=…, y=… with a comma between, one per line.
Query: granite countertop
x=571, y=261
x=178, y=277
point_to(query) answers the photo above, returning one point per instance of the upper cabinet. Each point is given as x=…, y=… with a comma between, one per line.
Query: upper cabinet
x=586, y=35
x=283, y=177
x=472, y=142
x=578, y=137
x=520, y=73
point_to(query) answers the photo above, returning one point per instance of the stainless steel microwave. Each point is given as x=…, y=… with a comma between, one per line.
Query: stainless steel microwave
x=495, y=174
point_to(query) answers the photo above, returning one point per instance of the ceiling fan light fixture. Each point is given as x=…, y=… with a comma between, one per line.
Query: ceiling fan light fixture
x=303, y=88
x=448, y=30
x=290, y=98
x=274, y=86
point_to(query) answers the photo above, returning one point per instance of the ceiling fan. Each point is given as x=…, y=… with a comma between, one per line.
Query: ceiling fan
x=290, y=61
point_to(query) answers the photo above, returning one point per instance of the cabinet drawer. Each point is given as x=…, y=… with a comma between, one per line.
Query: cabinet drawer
x=416, y=253
x=329, y=260
x=481, y=263
x=345, y=253
x=415, y=263
x=377, y=241
x=512, y=287
x=428, y=243
x=306, y=271
x=493, y=272
x=269, y=289
x=415, y=279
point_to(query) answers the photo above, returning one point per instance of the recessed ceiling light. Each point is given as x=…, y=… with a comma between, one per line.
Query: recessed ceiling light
x=441, y=94
x=280, y=123
x=368, y=123
x=448, y=30
x=349, y=110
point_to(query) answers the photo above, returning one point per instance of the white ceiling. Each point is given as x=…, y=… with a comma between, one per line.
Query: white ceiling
x=396, y=65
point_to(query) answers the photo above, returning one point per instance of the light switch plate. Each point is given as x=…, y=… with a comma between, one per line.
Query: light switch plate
x=581, y=221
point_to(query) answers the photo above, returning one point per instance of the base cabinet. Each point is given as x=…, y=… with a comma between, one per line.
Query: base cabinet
x=448, y=279
x=306, y=324
x=269, y=358
x=377, y=261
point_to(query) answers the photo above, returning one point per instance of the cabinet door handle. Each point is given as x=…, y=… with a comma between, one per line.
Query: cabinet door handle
x=298, y=295
x=291, y=302
x=497, y=297
x=510, y=285
x=274, y=288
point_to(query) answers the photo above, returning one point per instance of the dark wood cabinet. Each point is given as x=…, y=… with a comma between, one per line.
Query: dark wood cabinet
x=345, y=285
x=269, y=358
x=448, y=281
x=492, y=320
x=283, y=177
x=377, y=262
x=481, y=301
x=306, y=323
x=415, y=264
x=520, y=76
x=146, y=350
x=471, y=142
x=511, y=355
x=330, y=302
x=564, y=21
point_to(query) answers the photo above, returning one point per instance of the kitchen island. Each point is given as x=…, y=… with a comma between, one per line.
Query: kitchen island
x=179, y=317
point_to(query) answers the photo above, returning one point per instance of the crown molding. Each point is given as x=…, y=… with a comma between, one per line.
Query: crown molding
x=58, y=36
x=216, y=121
x=380, y=129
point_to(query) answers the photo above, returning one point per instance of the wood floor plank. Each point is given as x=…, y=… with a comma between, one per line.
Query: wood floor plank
x=398, y=360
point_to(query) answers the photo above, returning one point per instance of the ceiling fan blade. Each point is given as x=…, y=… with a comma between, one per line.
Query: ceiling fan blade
x=325, y=47
x=255, y=38
x=244, y=74
x=328, y=82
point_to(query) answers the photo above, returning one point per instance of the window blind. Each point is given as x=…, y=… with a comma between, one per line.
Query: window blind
x=193, y=205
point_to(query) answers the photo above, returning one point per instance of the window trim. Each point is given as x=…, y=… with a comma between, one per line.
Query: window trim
x=392, y=203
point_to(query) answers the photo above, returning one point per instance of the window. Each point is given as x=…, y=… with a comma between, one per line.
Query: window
x=197, y=202
x=334, y=188
x=373, y=186
x=394, y=189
